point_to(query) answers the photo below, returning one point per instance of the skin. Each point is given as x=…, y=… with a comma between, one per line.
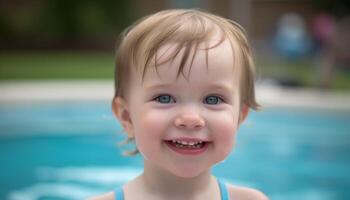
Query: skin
x=201, y=104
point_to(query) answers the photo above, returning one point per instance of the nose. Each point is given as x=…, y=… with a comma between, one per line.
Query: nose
x=189, y=120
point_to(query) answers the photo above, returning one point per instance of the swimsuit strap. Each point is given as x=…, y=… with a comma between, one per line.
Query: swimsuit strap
x=119, y=194
x=223, y=190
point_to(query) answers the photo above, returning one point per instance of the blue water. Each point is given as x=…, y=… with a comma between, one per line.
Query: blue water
x=69, y=151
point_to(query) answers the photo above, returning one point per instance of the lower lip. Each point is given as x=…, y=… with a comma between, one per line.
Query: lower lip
x=188, y=151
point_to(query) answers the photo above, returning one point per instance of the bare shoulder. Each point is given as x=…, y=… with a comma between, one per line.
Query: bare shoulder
x=107, y=196
x=244, y=193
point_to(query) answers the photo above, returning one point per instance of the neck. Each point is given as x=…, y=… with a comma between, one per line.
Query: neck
x=161, y=182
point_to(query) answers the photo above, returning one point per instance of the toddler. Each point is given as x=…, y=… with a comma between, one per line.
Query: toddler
x=184, y=82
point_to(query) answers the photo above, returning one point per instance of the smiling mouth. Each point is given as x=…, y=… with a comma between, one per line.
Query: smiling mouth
x=187, y=147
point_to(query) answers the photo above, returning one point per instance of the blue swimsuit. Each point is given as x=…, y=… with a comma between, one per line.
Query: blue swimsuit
x=119, y=194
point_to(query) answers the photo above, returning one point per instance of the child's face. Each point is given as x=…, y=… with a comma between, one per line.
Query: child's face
x=204, y=106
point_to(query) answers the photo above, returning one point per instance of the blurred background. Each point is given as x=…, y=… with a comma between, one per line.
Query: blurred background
x=299, y=43
x=58, y=136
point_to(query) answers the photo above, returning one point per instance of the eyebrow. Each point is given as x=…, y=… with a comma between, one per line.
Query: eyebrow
x=159, y=85
x=222, y=87
x=215, y=86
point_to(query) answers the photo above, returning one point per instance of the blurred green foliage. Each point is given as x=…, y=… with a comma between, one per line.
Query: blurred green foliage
x=67, y=23
x=56, y=65
x=338, y=8
x=62, y=20
x=305, y=73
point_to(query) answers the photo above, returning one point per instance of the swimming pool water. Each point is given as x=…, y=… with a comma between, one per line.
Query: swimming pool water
x=68, y=151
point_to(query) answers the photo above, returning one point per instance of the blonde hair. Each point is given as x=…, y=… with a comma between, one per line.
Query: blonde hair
x=187, y=29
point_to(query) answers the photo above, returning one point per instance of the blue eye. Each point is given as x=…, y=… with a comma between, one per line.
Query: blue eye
x=164, y=99
x=212, y=100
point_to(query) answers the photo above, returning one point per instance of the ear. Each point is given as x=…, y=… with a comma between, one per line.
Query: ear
x=243, y=113
x=121, y=111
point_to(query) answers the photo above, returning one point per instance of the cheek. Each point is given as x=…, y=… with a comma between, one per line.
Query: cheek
x=152, y=122
x=224, y=131
x=150, y=127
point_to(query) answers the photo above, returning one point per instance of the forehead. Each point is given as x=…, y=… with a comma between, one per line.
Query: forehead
x=217, y=61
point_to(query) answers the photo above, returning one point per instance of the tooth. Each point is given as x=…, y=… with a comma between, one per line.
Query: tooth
x=180, y=143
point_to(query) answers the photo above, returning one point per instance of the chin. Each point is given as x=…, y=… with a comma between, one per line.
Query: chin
x=188, y=172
